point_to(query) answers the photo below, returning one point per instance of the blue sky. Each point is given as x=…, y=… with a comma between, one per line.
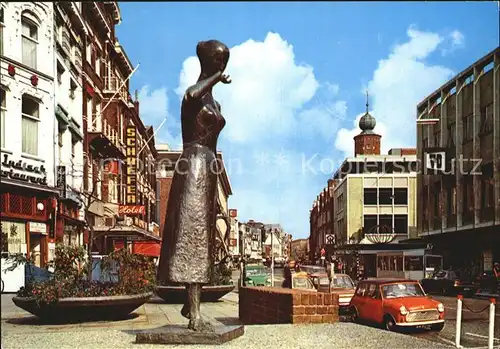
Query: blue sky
x=299, y=71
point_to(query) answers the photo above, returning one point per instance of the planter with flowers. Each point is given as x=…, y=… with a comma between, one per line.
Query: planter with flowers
x=68, y=295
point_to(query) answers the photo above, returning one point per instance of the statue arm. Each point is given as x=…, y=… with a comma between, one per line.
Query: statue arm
x=202, y=87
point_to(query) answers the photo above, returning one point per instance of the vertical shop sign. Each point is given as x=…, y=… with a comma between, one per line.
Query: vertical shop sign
x=131, y=197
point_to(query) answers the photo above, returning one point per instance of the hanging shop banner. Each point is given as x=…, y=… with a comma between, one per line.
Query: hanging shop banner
x=131, y=197
x=61, y=180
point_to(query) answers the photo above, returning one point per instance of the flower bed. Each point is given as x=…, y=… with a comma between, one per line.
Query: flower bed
x=82, y=299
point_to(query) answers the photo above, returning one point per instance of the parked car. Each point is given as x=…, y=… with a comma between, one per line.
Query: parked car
x=396, y=303
x=343, y=285
x=302, y=281
x=450, y=282
x=256, y=275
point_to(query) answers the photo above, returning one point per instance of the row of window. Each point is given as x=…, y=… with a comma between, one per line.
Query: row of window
x=385, y=196
x=385, y=223
x=485, y=127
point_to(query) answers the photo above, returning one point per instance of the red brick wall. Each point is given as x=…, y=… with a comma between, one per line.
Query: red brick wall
x=408, y=151
x=165, y=184
x=265, y=305
x=367, y=144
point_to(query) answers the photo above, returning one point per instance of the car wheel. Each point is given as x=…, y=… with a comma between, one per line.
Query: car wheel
x=354, y=314
x=389, y=323
x=437, y=327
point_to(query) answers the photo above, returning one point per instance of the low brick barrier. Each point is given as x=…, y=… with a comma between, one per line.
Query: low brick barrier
x=270, y=305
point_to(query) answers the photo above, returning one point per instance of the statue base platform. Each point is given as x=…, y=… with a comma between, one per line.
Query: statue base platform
x=180, y=334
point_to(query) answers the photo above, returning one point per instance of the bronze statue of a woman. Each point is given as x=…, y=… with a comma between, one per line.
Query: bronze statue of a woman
x=189, y=233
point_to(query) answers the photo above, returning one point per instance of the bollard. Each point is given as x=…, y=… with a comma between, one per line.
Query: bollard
x=491, y=323
x=458, y=328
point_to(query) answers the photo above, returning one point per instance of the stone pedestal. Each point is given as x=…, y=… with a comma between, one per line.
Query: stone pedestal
x=180, y=334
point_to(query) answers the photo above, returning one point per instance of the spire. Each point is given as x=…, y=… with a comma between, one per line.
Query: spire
x=367, y=103
x=367, y=122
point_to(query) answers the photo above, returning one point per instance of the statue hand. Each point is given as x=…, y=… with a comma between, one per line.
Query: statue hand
x=225, y=79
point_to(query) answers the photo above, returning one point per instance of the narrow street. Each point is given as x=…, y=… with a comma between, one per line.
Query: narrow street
x=278, y=277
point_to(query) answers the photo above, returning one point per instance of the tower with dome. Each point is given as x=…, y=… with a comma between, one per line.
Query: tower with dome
x=367, y=142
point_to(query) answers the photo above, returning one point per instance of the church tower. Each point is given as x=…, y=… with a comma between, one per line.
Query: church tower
x=367, y=142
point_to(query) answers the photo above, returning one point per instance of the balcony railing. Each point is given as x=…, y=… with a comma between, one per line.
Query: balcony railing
x=114, y=85
x=101, y=125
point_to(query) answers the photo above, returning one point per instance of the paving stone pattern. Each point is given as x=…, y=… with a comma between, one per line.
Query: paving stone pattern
x=19, y=330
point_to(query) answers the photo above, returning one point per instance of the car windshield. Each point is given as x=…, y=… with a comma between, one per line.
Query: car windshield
x=399, y=290
x=303, y=283
x=256, y=271
x=439, y=274
x=342, y=282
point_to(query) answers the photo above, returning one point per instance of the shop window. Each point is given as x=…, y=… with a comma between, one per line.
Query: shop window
x=385, y=196
x=370, y=196
x=370, y=223
x=13, y=238
x=414, y=263
x=400, y=196
x=401, y=223
x=390, y=263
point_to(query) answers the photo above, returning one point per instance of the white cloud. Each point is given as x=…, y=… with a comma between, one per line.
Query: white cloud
x=267, y=88
x=265, y=114
x=455, y=40
x=153, y=107
x=398, y=84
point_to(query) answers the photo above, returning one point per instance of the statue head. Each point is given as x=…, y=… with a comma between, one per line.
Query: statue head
x=213, y=56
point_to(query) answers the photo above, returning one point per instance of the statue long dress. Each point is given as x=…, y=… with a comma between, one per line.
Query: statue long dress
x=188, y=236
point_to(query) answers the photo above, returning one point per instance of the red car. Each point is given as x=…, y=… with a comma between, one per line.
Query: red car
x=396, y=303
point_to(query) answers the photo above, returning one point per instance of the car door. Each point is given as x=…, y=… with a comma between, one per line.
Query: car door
x=357, y=300
x=360, y=300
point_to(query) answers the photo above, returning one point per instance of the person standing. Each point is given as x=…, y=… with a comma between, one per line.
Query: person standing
x=496, y=274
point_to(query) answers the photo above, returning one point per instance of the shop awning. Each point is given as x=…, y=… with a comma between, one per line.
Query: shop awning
x=148, y=248
x=131, y=233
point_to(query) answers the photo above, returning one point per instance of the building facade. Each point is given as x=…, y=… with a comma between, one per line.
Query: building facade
x=321, y=222
x=459, y=209
x=119, y=176
x=372, y=199
x=251, y=235
x=28, y=158
x=299, y=250
x=69, y=31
